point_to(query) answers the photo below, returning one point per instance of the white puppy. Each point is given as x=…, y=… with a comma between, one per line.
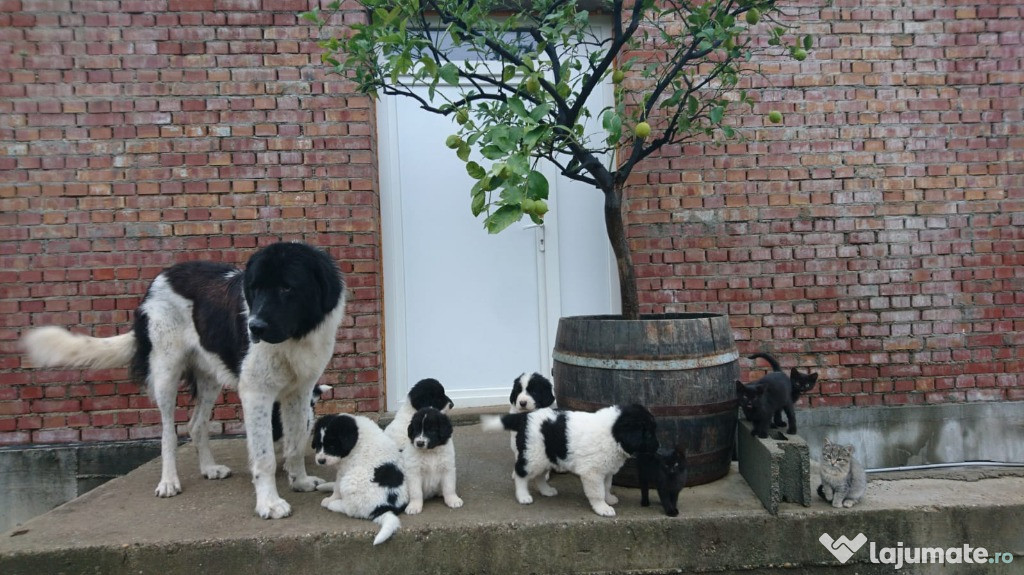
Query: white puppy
x=591, y=445
x=371, y=482
x=430, y=460
x=426, y=393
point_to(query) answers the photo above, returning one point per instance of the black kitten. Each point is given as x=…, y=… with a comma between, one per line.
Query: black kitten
x=799, y=383
x=668, y=472
x=763, y=398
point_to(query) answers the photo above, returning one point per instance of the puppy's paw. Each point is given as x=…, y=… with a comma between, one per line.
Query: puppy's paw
x=307, y=483
x=454, y=501
x=273, y=508
x=168, y=488
x=611, y=499
x=524, y=499
x=326, y=502
x=849, y=503
x=604, y=510
x=414, y=508
x=336, y=505
x=547, y=491
x=326, y=487
x=216, y=471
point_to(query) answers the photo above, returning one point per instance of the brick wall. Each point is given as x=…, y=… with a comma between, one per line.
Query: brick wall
x=139, y=133
x=875, y=236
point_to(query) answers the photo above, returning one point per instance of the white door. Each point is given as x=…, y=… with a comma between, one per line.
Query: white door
x=471, y=309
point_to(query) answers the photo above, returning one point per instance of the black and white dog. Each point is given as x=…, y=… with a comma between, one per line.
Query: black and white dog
x=370, y=482
x=426, y=393
x=592, y=445
x=430, y=460
x=268, y=330
x=530, y=392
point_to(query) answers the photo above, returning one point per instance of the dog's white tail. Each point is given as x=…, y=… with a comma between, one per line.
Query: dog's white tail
x=491, y=423
x=55, y=346
x=389, y=523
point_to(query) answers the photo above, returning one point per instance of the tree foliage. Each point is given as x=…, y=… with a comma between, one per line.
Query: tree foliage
x=519, y=77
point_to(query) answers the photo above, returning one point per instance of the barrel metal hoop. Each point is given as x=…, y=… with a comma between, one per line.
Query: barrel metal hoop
x=722, y=407
x=647, y=364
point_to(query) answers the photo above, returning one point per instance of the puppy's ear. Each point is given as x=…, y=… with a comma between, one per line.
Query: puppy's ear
x=341, y=435
x=416, y=424
x=635, y=430
x=444, y=429
x=516, y=390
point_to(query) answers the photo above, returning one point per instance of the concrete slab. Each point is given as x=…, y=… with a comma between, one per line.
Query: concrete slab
x=776, y=468
x=120, y=527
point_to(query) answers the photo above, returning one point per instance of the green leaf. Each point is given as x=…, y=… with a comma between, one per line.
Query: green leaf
x=450, y=74
x=536, y=186
x=492, y=152
x=691, y=105
x=502, y=218
x=540, y=111
x=534, y=135
x=479, y=203
x=518, y=108
x=717, y=113
x=463, y=152
x=808, y=42
x=475, y=170
x=508, y=73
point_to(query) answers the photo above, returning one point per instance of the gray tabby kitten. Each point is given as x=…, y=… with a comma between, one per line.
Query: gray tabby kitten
x=843, y=480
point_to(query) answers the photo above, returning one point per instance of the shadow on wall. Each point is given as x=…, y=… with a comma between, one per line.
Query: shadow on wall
x=920, y=434
x=34, y=480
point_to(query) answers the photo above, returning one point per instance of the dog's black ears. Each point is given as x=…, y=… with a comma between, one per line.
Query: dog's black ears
x=636, y=430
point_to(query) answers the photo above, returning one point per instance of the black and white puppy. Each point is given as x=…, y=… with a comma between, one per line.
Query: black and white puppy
x=426, y=393
x=430, y=460
x=370, y=482
x=591, y=445
x=530, y=392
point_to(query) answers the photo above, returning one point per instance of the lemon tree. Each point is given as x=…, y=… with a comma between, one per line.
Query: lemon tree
x=523, y=72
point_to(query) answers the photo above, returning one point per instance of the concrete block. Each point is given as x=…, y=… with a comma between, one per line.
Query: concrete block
x=777, y=469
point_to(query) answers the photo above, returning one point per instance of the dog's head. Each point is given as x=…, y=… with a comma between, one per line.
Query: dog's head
x=531, y=392
x=636, y=430
x=429, y=428
x=334, y=437
x=429, y=393
x=289, y=289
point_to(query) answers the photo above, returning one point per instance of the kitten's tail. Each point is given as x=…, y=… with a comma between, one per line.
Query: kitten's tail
x=55, y=346
x=771, y=360
x=389, y=523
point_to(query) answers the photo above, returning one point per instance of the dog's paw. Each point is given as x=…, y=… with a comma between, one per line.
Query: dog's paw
x=216, y=472
x=849, y=503
x=326, y=502
x=307, y=483
x=273, y=508
x=454, y=501
x=414, y=508
x=604, y=510
x=611, y=499
x=168, y=488
x=326, y=487
x=336, y=505
x=547, y=491
x=524, y=499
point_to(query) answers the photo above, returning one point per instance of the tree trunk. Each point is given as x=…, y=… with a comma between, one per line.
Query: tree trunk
x=614, y=222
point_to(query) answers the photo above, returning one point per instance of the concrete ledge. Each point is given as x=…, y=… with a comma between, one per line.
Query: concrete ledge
x=777, y=468
x=120, y=528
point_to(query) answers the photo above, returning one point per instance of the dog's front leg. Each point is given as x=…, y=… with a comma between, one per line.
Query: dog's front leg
x=451, y=498
x=256, y=406
x=608, y=497
x=415, y=483
x=594, y=488
x=295, y=417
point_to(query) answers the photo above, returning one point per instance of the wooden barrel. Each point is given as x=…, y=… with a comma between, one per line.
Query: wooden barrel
x=682, y=367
